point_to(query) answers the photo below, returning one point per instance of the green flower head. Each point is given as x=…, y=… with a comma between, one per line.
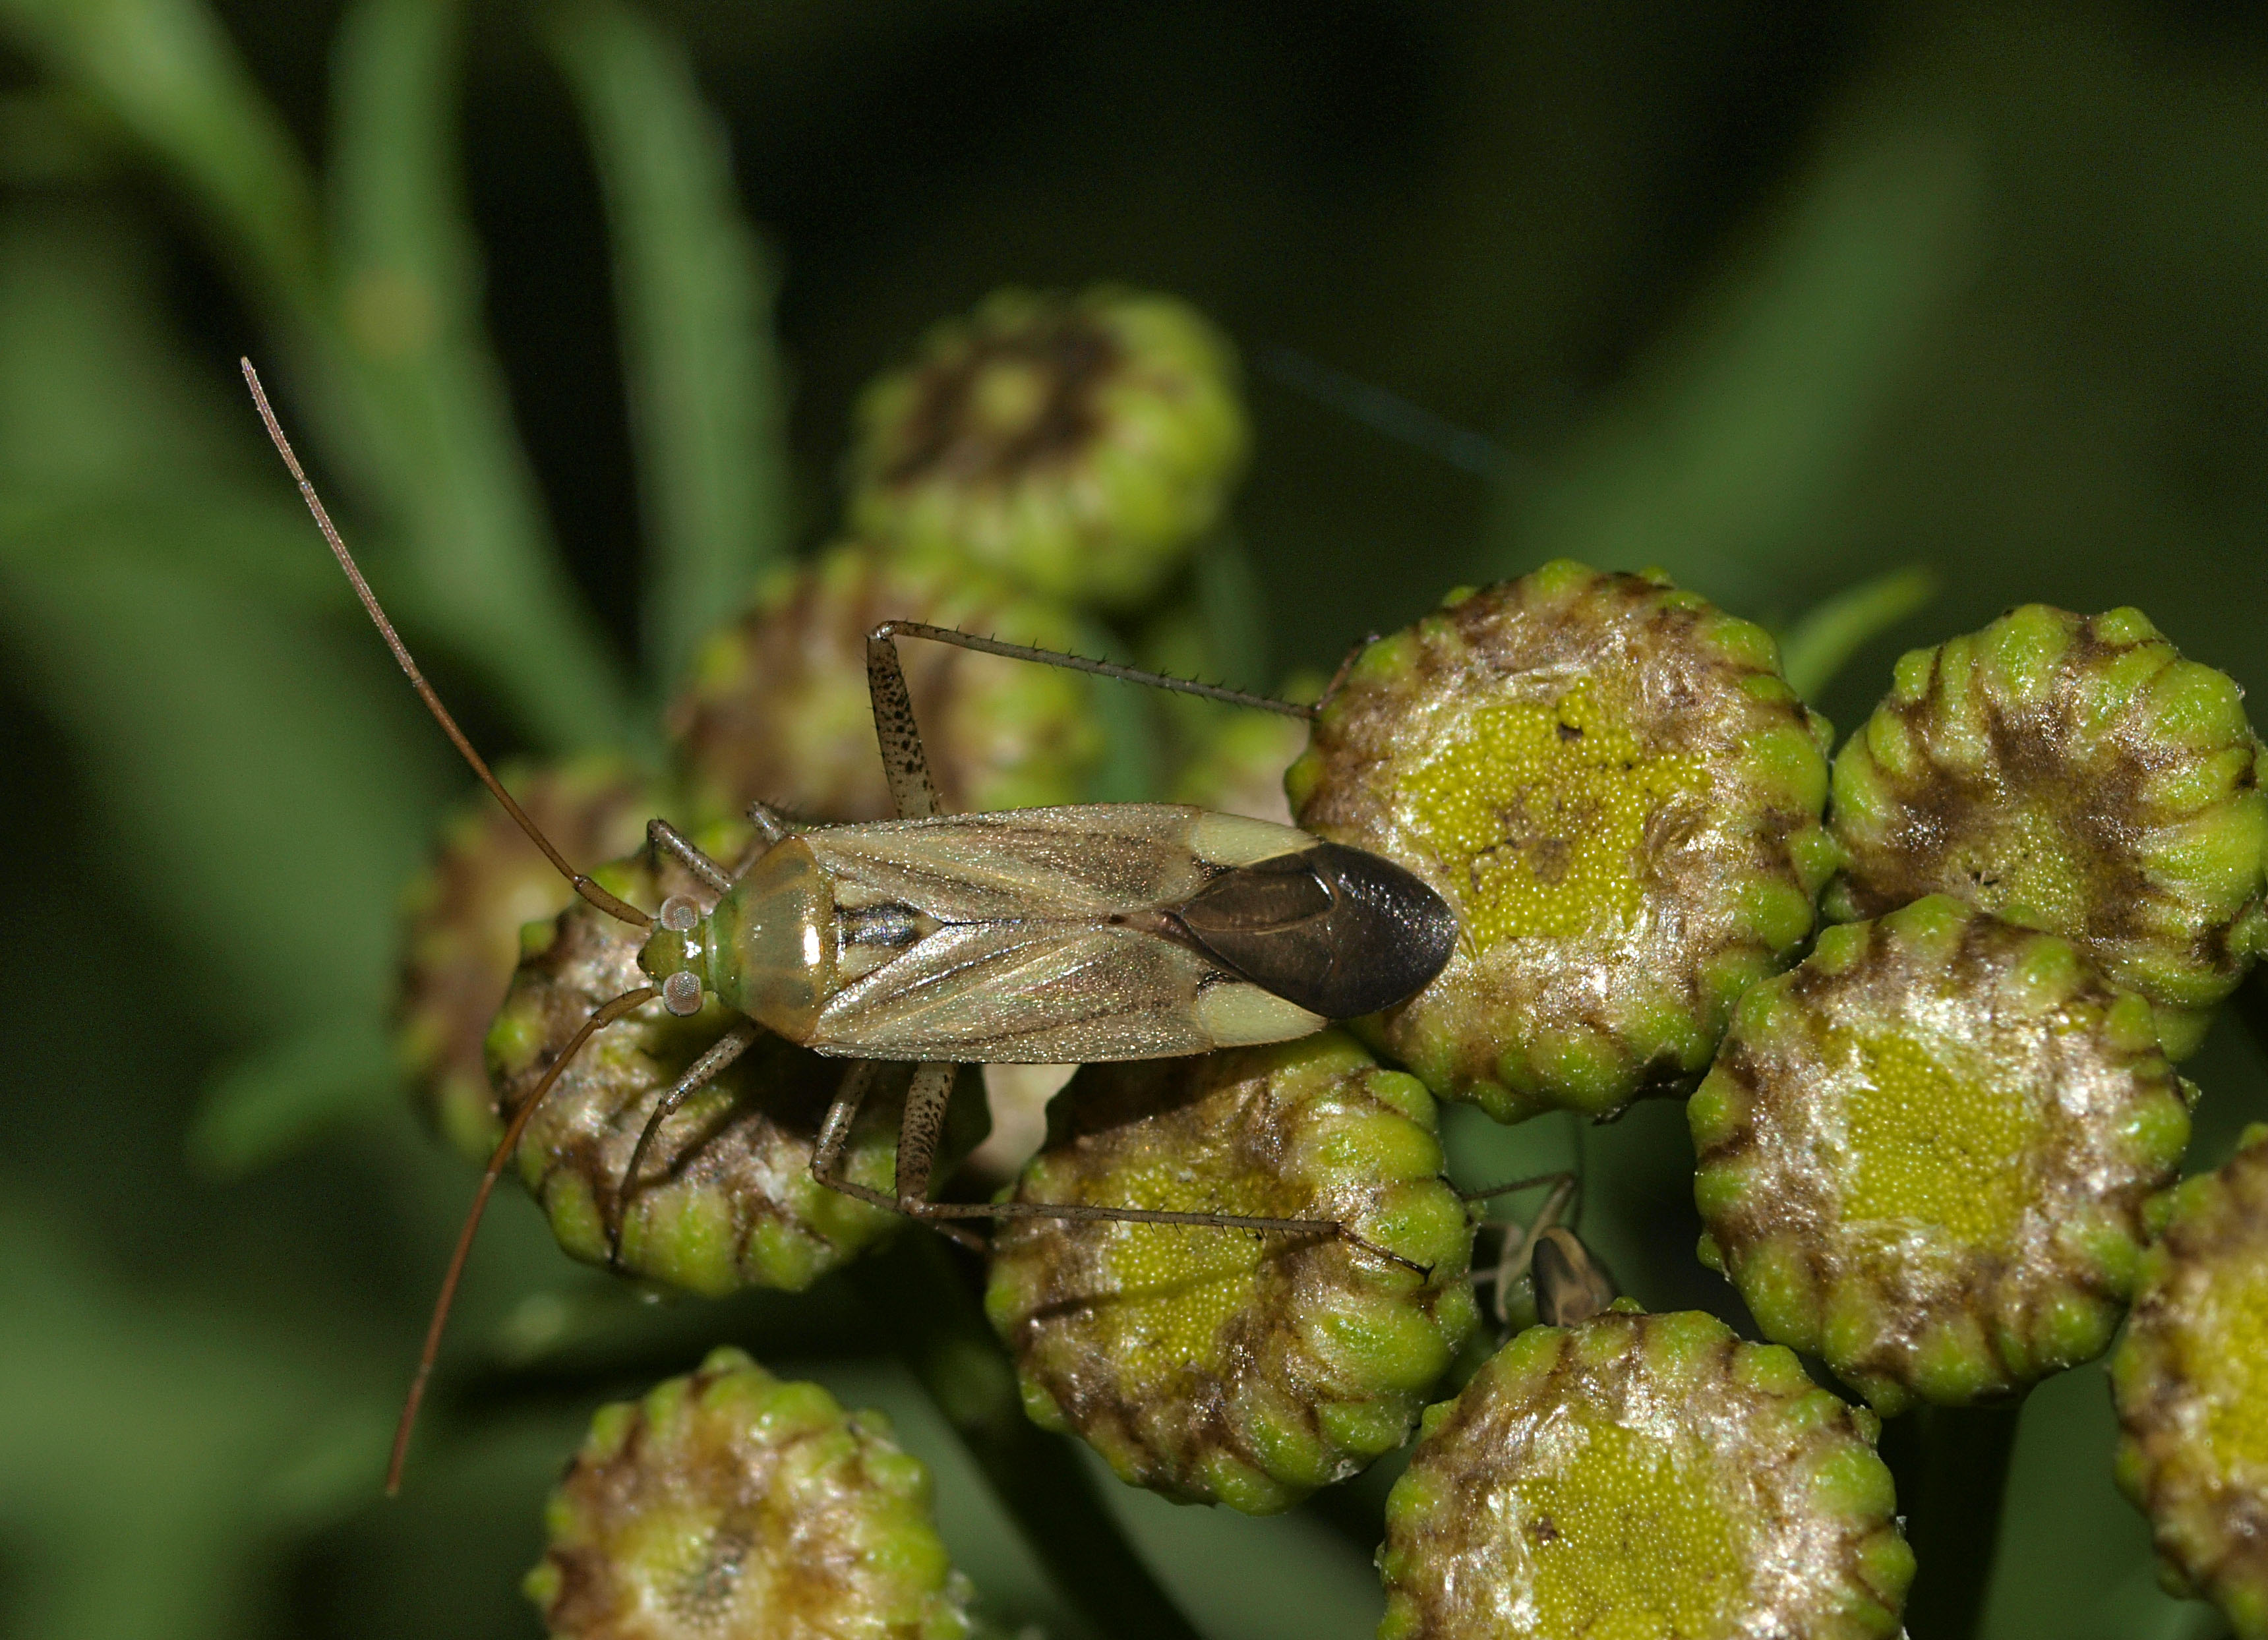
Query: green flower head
x=2073, y=774
x=777, y=709
x=729, y=1505
x=1219, y=1365
x=2190, y=1380
x=1077, y=445
x=1642, y=1476
x=1924, y=1154
x=1610, y=782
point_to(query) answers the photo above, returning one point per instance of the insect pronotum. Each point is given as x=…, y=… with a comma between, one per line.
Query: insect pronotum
x=1050, y=936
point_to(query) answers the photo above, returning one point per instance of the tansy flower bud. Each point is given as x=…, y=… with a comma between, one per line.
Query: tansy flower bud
x=777, y=709
x=1925, y=1152
x=2072, y=774
x=1642, y=1476
x=1080, y=445
x=1610, y=781
x=2190, y=1379
x=728, y=1505
x=1228, y=1365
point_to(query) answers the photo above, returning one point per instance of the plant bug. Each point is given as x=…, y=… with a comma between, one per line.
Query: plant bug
x=1101, y=932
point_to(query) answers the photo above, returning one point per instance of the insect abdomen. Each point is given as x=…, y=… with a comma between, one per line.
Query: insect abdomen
x=1339, y=931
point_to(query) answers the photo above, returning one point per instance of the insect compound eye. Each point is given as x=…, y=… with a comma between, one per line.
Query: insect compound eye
x=680, y=915
x=681, y=993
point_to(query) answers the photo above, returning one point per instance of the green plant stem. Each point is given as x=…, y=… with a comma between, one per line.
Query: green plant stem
x=942, y=1336
x=1951, y=1464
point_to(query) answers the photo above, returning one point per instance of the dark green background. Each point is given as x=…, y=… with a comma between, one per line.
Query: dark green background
x=1781, y=298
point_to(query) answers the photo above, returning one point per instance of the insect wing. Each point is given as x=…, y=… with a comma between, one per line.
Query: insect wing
x=1017, y=864
x=1001, y=993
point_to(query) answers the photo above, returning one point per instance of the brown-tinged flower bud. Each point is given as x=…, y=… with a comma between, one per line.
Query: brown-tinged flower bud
x=1642, y=1475
x=1924, y=1154
x=1226, y=1365
x=462, y=922
x=2073, y=774
x=1079, y=444
x=2190, y=1379
x=725, y=1198
x=1610, y=781
x=777, y=709
x=729, y=1505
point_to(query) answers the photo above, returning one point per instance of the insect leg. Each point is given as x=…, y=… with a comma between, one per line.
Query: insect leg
x=1320, y=1229
x=1570, y=1285
x=885, y=635
x=770, y=825
x=674, y=842
x=1519, y=1250
x=905, y=765
x=917, y=1139
x=723, y=1052
x=835, y=1134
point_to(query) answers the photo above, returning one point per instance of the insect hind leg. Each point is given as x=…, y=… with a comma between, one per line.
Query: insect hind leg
x=885, y=635
x=918, y=1134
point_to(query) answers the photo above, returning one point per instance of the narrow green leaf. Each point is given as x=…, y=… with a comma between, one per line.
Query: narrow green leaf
x=165, y=70
x=266, y=1104
x=265, y=783
x=478, y=553
x=1733, y=445
x=693, y=288
x=1821, y=644
x=139, y=1443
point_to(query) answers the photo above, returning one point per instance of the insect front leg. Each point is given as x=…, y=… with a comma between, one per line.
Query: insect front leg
x=703, y=1070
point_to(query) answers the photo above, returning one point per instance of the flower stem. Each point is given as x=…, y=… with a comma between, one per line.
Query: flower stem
x=942, y=1336
x=1951, y=1464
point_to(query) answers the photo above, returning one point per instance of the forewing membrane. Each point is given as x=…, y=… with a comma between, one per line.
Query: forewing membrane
x=1021, y=864
x=1010, y=993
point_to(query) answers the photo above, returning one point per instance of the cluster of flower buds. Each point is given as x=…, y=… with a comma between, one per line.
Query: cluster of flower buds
x=1928, y=1153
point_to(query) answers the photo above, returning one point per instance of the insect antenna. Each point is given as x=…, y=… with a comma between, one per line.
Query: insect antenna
x=610, y=904
x=606, y=1015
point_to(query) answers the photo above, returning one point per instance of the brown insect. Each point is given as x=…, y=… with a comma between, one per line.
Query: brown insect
x=1049, y=936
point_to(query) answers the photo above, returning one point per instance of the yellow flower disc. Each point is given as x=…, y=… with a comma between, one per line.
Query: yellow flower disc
x=2073, y=774
x=2190, y=1379
x=1225, y=1366
x=1923, y=1153
x=1611, y=784
x=1643, y=1477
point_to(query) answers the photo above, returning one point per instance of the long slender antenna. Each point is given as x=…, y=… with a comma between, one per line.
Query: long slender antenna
x=609, y=903
x=607, y=1013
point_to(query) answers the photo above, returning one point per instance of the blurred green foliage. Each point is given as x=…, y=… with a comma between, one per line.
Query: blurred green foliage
x=1841, y=303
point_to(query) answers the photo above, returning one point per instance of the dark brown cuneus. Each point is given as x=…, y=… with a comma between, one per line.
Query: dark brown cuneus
x=1340, y=932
